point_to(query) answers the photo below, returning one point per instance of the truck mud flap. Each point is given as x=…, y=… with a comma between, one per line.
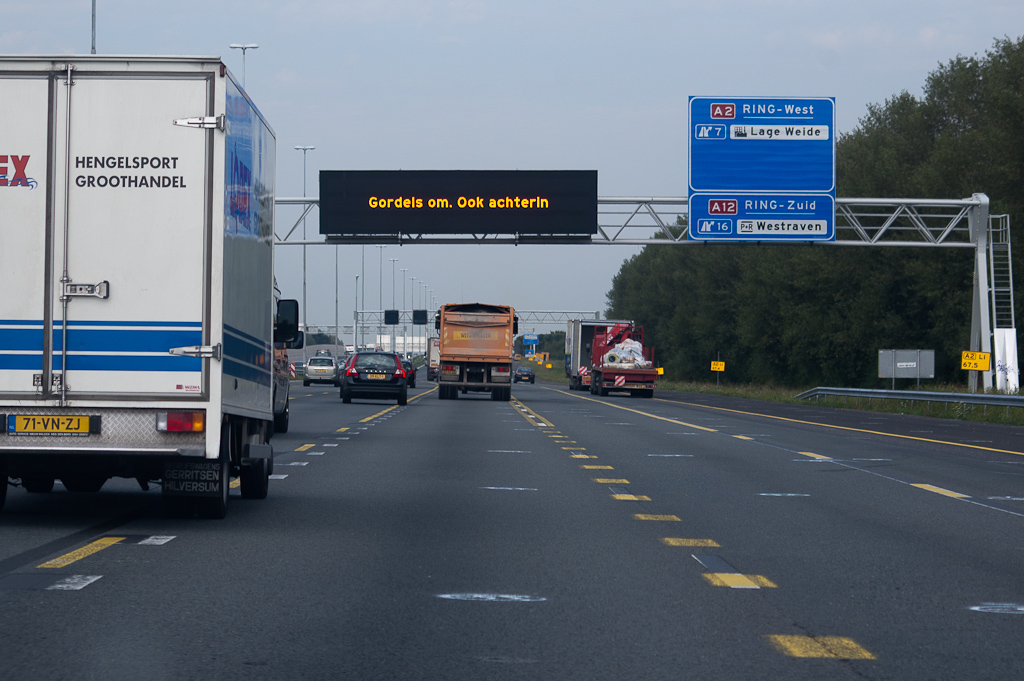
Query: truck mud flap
x=193, y=478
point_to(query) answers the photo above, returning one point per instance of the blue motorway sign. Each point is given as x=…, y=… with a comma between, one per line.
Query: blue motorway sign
x=762, y=168
x=530, y=339
x=762, y=217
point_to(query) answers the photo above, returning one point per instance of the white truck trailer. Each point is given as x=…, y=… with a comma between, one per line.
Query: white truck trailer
x=579, y=338
x=139, y=319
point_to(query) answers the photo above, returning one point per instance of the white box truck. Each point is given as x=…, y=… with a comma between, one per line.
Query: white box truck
x=579, y=338
x=139, y=321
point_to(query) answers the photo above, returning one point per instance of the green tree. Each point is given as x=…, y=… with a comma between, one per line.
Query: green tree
x=797, y=315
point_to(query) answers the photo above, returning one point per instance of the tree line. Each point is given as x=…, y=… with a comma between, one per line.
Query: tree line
x=799, y=315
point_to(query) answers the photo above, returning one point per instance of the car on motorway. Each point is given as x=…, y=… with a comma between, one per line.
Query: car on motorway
x=410, y=373
x=375, y=375
x=524, y=374
x=321, y=369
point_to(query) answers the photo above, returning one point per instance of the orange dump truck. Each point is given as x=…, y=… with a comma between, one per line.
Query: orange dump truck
x=476, y=349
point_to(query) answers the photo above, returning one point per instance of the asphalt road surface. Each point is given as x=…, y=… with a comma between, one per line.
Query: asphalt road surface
x=556, y=536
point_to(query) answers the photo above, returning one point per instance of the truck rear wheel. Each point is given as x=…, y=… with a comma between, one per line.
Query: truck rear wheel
x=281, y=420
x=83, y=483
x=37, y=485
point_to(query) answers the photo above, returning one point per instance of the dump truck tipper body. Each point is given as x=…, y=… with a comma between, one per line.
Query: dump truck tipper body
x=136, y=229
x=476, y=349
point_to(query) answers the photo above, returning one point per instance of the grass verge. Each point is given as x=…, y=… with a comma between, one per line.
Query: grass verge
x=1013, y=416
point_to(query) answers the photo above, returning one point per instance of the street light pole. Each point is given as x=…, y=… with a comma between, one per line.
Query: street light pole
x=393, y=261
x=94, y=26
x=337, y=292
x=363, y=273
x=412, y=304
x=355, y=319
x=380, y=289
x=305, y=310
x=405, y=341
x=233, y=46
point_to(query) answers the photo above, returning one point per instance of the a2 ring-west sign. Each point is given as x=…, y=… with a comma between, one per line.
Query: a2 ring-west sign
x=762, y=168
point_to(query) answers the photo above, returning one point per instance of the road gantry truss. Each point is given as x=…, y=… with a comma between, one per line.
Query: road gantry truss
x=886, y=222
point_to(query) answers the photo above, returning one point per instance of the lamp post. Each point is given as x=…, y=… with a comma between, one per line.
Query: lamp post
x=405, y=338
x=412, y=304
x=233, y=46
x=305, y=310
x=94, y=26
x=380, y=289
x=337, y=292
x=392, y=335
x=355, y=319
x=363, y=273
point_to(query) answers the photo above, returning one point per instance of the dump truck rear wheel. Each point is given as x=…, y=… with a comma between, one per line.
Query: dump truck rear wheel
x=37, y=485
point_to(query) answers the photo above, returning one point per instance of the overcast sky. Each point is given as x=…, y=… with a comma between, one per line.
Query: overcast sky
x=481, y=84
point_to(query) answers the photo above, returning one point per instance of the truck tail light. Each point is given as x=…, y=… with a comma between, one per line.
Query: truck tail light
x=181, y=421
x=501, y=370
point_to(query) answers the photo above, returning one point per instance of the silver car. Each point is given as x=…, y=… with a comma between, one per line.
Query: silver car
x=321, y=370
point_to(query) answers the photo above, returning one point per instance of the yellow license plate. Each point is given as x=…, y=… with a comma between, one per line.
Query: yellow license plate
x=379, y=377
x=30, y=424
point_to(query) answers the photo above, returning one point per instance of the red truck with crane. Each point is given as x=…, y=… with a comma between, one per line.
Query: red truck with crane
x=620, y=362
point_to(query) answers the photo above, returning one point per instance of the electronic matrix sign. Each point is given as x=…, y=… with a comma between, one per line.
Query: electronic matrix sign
x=527, y=202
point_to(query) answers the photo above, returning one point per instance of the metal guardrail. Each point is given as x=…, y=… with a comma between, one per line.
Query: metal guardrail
x=984, y=399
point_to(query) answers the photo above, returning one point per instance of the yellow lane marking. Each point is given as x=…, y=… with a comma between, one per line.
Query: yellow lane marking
x=575, y=449
x=416, y=397
x=939, y=490
x=679, y=541
x=236, y=483
x=611, y=481
x=636, y=411
x=598, y=468
x=557, y=437
x=583, y=456
x=782, y=418
x=87, y=550
x=835, y=647
x=391, y=408
x=742, y=437
x=735, y=580
x=630, y=497
x=829, y=425
x=379, y=414
x=667, y=518
x=536, y=417
x=341, y=430
x=305, y=447
x=816, y=456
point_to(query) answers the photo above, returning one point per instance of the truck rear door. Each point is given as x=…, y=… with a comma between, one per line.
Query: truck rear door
x=23, y=238
x=118, y=271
